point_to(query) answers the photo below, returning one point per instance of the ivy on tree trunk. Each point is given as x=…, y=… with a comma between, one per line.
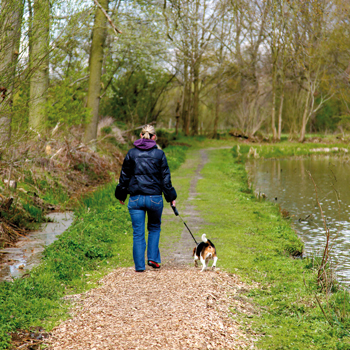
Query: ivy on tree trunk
x=39, y=59
x=10, y=34
x=99, y=34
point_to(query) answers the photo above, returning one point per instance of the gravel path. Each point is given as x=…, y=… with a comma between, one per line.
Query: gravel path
x=173, y=308
x=176, y=307
x=181, y=252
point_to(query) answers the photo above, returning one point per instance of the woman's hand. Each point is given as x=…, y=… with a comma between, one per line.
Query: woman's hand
x=122, y=203
x=173, y=203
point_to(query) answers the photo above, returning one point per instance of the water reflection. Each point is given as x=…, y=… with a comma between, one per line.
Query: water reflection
x=287, y=182
x=26, y=253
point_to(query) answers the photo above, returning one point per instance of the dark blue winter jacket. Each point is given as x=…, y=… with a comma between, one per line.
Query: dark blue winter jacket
x=145, y=171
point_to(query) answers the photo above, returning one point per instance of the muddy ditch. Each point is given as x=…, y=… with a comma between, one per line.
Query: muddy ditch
x=29, y=339
x=26, y=253
x=47, y=174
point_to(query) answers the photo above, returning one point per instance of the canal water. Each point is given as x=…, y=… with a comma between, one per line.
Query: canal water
x=287, y=183
x=26, y=254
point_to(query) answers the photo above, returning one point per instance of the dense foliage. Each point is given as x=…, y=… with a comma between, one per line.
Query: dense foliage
x=254, y=65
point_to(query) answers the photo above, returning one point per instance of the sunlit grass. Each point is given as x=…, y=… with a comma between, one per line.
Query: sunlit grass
x=255, y=242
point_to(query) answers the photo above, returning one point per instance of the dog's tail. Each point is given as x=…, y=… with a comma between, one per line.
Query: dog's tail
x=204, y=238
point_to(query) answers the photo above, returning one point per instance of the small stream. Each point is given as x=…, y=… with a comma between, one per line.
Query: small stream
x=287, y=183
x=26, y=254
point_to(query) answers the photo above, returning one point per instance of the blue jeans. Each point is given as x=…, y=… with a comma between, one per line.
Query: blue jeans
x=138, y=207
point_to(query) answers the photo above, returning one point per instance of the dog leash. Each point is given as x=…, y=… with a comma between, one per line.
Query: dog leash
x=177, y=214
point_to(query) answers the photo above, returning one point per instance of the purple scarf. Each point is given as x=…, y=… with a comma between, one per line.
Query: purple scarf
x=144, y=144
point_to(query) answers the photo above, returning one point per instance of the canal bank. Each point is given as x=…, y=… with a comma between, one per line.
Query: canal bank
x=287, y=183
x=254, y=241
x=26, y=253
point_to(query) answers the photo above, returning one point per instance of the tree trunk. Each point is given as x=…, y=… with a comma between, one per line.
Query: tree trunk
x=273, y=112
x=305, y=118
x=195, y=72
x=99, y=34
x=280, y=117
x=30, y=34
x=194, y=128
x=217, y=108
x=274, y=55
x=184, y=108
x=177, y=117
x=10, y=34
x=39, y=81
x=190, y=102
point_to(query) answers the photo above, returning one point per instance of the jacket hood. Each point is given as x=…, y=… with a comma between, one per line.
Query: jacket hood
x=145, y=144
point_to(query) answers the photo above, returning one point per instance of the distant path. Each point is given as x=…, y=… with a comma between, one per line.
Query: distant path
x=176, y=307
x=181, y=253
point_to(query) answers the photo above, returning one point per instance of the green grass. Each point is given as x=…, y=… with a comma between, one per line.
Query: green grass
x=31, y=200
x=176, y=155
x=59, y=198
x=255, y=242
x=34, y=212
x=286, y=149
x=99, y=239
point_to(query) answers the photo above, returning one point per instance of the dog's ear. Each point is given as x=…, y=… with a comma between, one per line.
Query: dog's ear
x=194, y=251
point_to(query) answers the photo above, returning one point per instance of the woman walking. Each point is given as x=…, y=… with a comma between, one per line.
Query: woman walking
x=145, y=176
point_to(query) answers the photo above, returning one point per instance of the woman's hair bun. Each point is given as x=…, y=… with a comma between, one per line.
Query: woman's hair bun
x=148, y=131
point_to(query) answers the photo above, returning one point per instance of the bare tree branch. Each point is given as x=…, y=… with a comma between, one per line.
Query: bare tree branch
x=115, y=29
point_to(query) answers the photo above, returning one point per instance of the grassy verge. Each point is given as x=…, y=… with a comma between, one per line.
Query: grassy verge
x=99, y=239
x=288, y=149
x=42, y=181
x=172, y=226
x=176, y=155
x=270, y=150
x=254, y=241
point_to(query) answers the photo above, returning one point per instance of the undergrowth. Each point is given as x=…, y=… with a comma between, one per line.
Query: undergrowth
x=41, y=173
x=175, y=155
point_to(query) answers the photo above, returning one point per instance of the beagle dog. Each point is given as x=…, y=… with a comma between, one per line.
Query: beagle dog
x=204, y=252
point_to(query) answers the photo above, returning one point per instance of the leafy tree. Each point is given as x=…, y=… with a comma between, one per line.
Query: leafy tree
x=10, y=32
x=66, y=105
x=39, y=63
x=136, y=96
x=99, y=34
